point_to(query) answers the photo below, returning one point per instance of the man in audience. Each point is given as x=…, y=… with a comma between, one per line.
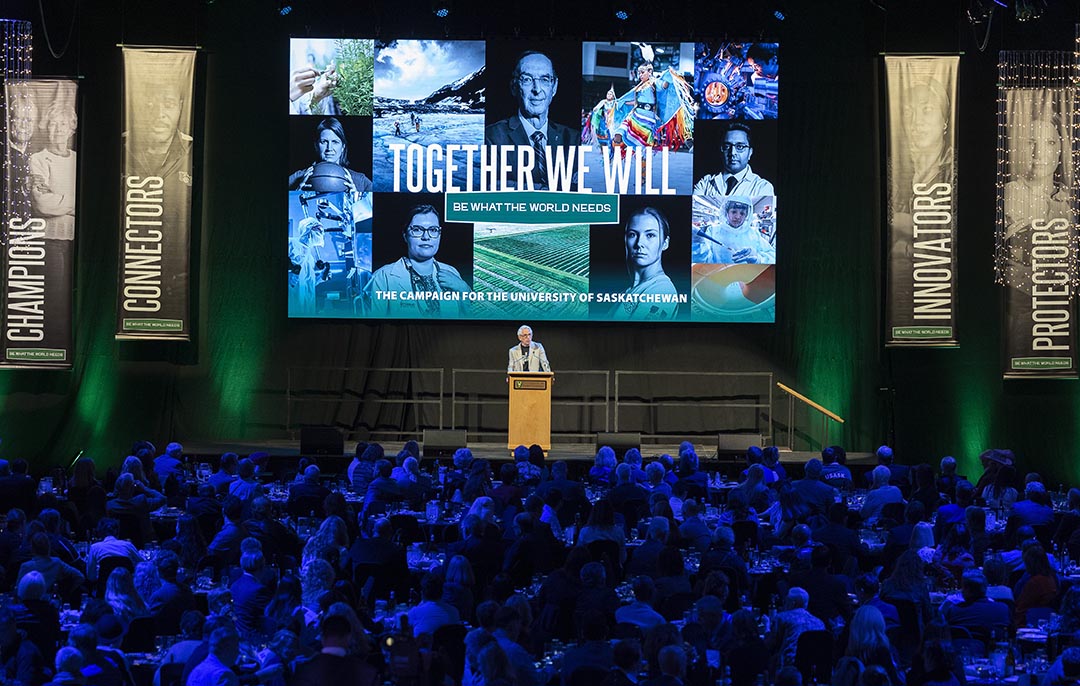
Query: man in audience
x=17, y=490
x=334, y=664
x=626, y=656
x=170, y=463
x=99, y=668
x=867, y=588
x=204, y=504
x=627, y=493
x=976, y=612
x=275, y=537
x=59, y=576
x=62, y=547
x=815, y=493
x=643, y=561
x=828, y=592
x=251, y=596
x=640, y=612
x=784, y=634
x=383, y=557
x=109, y=546
x=880, y=495
x=21, y=660
x=222, y=479
x=508, y=626
x=382, y=491
x=573, y=492
x=672, y=661
x=307, y=493
x=135, y=501
x=1035, y=509
x=899, y=475
x=172, y=599
x=693, y=531
x=721, y=556
x=432, y=612
x=949, y=479
x=834, y=472
x=226, y=544
x=246, y=487
x=216, y=669
x=594, y=650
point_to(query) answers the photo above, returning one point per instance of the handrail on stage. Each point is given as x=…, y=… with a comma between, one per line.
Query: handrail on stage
x=826, y=414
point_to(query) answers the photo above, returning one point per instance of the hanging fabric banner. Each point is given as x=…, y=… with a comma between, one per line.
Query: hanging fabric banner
x=1036, y=236
x=921, y=148
x=39, y=221
x=155, y=230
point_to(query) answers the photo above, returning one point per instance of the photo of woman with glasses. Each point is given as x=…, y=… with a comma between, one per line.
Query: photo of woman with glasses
x=418, y=285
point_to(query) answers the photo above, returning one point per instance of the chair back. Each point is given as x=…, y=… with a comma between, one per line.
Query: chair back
x=130, y=528
x=406, y=529
x=746, y=534
x=607, y=553
x=814, y=656
x=675, y=606
x=140, y=636
x=587, y=675
x=448, y=642
x=304, y=505
x=171, y=673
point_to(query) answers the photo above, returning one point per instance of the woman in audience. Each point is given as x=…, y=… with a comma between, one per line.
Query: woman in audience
x=671, y=578
x=134, y=466
x=1065, y=625
x=329, y=543
x=654, y=475
x=788, y=510
x=754, y=490
x=937, y=659
x=458, y=588
x=83, y=478
x=1001, y=495
x=190, y=546
x=738, y=509
x=691, y=482
x=479, y=482
x=1040, y=589
x=601, y=527
x=908, y=583
x=975, y=523
x=747, y=657
x=316, y=578
x=285, y=611
x=867, y=641
x=848, y=672
x=495, y=668
x=602, y=473
x=147, y=580
x=121, y=595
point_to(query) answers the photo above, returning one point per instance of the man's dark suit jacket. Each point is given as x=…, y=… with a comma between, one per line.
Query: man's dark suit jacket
x=168, y=605
x=511, y=132
x=250, y=598
x=324, y=668
x=392, y=573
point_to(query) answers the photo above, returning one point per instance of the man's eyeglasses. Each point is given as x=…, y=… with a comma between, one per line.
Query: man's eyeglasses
x=737, y=147
x=527, y=80
x=419, y=231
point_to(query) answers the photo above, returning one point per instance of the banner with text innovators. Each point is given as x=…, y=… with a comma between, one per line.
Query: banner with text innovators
x=550, y=180
x=39, y=217
x=921, y=147
x=1036, y=256
x=155, y=231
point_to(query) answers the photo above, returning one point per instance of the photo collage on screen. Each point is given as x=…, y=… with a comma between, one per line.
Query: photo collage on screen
x=541, y=180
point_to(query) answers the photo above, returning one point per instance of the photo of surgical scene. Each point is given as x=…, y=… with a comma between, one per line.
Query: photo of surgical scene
x=736, y=80
x=427, y=92
x=639, y=269
x=331, y=76
x=638, y=103
x=531, y=271
x=422, y=263
x=329, y=252
x=734, y=229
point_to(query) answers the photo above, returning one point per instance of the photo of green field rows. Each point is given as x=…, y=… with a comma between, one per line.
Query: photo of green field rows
x=523, y=260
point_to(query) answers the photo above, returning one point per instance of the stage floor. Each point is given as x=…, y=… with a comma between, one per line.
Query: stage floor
x=498, y=451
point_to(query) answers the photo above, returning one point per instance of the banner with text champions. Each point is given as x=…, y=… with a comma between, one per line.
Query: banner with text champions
x=155, y=225
x=1036, y=257
x=921, y=144
x=39, y=218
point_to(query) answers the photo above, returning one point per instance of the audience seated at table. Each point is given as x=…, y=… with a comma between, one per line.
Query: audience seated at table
x=648, y=571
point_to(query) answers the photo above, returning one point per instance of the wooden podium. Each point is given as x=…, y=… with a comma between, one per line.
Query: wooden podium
x=530, y=409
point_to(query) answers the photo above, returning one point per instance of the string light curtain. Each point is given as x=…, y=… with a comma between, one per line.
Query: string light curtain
x=1038, y=158
x=16, y=58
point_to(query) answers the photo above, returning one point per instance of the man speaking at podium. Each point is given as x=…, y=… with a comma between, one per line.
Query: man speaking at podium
x=529, y=356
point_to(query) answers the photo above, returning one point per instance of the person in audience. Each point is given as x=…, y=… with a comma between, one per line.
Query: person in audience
x=645, y=555
x=655, y=483
x=951, y=514
x=226, y=544
x=246, y=487
x=594, y=650
x=99, y=668
x=170, y=463
x=867, y=589
x=868, y=643
x=69, y=665
x=508, y=626
x=1000, y=494
x=925, y=490
x=1065, y=669
x=828, y=592
x=22, y=661
x=601, y=527
x=842, y=541
x=36, y=614
x=835, y=472
x=1070, y=520
x=384, y=558
x=334, y=664
x=640, y=612
x=948, y=480
x=908, y=583
x=330, y=542
x=1035, y=510
x=976, y=612
x=191, y=627
x=17, y=491
x=880, y=495
x=172, y=599
x=626, y=660
x=693, y=531
x=276, y=538
x=595, y=594
x=305, y=493
x=691, y=483
x=122, y=596
x=62, y=547
x=754, y=489
x=783, y=638
x=216, y=669
x=1039, y=586
x=747, y=655
x=432, y=612
x=815, y=493
x=58, y=575
x=222, y=479
x=899, y=475
x=1065, y=624
x=382, y=490
x=135, y=500
x=251, y=596
x=721, y=556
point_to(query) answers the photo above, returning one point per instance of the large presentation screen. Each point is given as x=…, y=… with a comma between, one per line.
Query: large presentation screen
x=531, y=180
